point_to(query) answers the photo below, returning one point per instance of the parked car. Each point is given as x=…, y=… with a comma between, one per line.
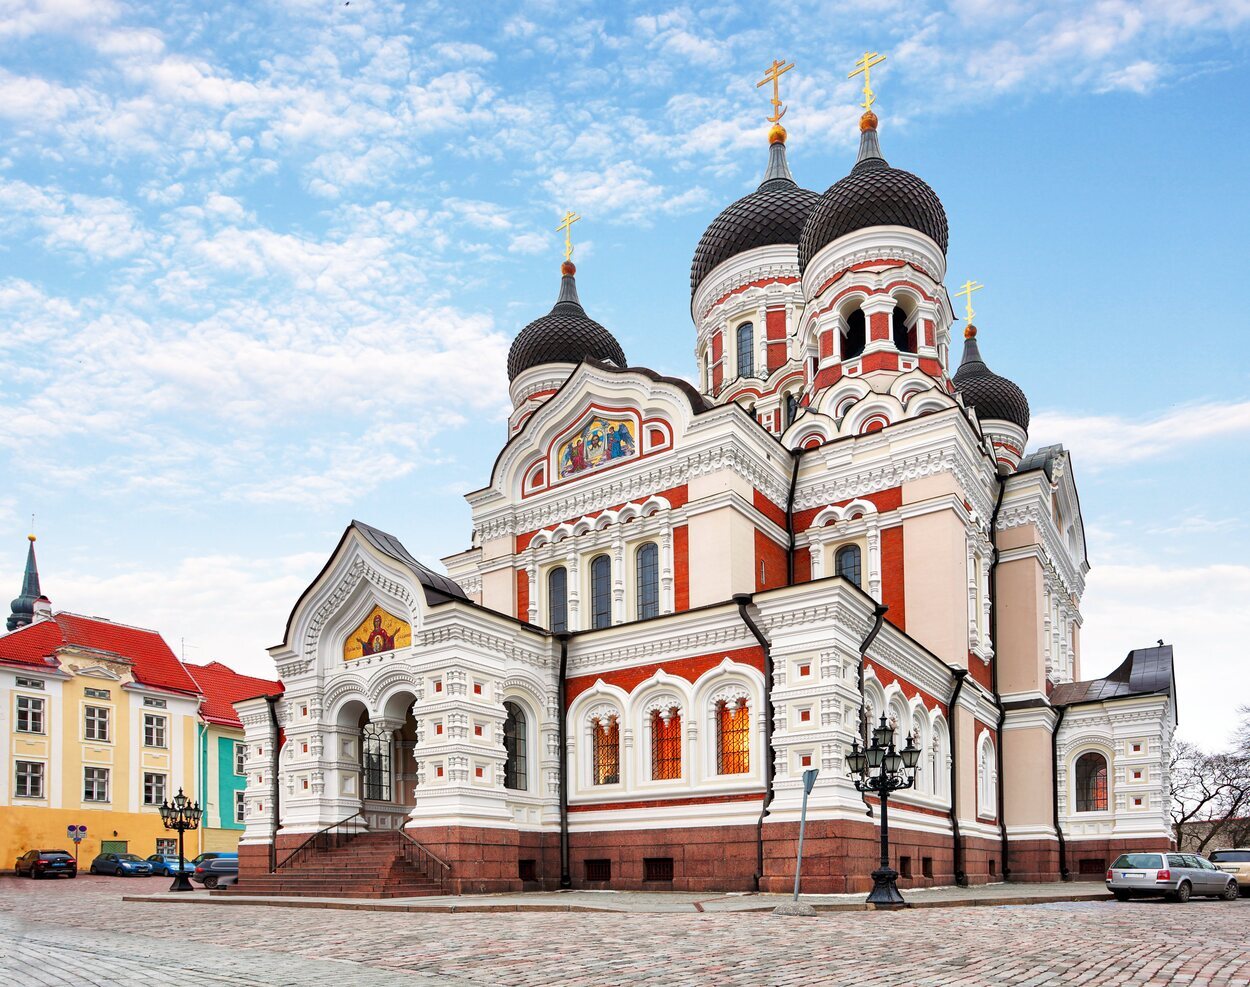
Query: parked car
x=211, y=855
x=121, y=865
x=1235, y=862
x=46, y=863
x=1176, y=876
x=167, y=865
x=217, y=872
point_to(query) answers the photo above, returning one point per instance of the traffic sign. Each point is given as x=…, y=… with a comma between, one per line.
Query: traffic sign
x=76, y=833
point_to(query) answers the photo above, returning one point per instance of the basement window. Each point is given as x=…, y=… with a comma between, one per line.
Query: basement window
x=598, y=870
x=657, y=868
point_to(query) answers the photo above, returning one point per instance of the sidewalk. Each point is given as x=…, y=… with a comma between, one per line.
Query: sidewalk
x=654, y=902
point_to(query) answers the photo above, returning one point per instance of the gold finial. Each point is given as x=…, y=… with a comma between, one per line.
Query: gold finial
x=869, y=61
x=968, y=289
x=31, y=536
x=566, y=224
x=773, y=75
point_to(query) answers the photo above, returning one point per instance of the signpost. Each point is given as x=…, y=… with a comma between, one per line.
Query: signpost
x=76, y=833
x=797, y=907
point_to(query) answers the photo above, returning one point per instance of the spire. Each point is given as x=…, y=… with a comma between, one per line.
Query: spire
x=23, y=608
x=568, y=288
x=778, y=169
x=972, y=352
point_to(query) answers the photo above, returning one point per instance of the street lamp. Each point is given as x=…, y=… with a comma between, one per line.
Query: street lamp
x=181, y=814
x=882, y=769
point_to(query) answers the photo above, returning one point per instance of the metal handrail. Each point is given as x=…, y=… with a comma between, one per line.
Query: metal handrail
x=425, y=860
x=332, y=838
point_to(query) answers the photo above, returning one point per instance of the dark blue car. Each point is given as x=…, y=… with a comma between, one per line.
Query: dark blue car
x=121, y=864
x=166, y=865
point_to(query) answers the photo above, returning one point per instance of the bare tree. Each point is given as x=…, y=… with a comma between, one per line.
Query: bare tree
x=1211, y=792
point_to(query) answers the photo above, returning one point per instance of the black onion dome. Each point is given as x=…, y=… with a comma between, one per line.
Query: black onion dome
x=774, y=213
x=566, y=334
x=873, y=194
x=993, y=396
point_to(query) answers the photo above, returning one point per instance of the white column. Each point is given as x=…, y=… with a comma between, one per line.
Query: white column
x=618, y=577
x=667, y=599
x=531, y=573
x=874, y=557
x=574, y=586
x=817, y=552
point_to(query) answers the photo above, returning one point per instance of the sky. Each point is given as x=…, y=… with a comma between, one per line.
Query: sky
x=261, y=263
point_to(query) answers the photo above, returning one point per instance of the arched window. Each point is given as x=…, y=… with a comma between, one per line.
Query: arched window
x=940, y=756
x=746, y=350
x=846, y=563
x=987, y=787
x=647, y=564
x=1091, y=782
x=733, y=738
x=855, y=338
x=515, y=767
x=375, y=762
x=904, y=338
x=558, y=600
x=601, y=591
x=665, y=744
x=792, y=409
x=606, y=751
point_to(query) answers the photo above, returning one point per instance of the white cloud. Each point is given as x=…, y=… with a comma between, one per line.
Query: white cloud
x=1140, y=77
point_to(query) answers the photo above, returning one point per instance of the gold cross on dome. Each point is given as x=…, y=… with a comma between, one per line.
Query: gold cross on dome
x=566, y=224
x=773, y=75
x=869, y=61
x=969, y=288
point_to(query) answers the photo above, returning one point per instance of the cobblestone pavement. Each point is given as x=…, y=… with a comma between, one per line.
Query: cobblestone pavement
x=80, y=932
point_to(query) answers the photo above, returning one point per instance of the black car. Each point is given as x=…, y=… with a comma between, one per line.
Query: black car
x=46, y=863
x=216, y=871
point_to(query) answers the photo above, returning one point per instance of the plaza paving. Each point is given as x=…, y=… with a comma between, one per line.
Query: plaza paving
x=82, y=932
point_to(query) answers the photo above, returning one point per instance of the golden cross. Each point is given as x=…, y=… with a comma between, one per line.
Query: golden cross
x=566, y=224
x=969, y=288
x=870, y=60
x=773, y=75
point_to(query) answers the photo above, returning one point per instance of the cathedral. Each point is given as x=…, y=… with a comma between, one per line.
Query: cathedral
x=678, y=598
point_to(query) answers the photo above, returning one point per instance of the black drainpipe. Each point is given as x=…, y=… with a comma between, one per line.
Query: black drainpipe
x=794, y=482
x=1002, y=713
x=961, y=876
x=1064, y=873
x=566, y=880
x=275, y=788
x=743, y=600
x=878, y=618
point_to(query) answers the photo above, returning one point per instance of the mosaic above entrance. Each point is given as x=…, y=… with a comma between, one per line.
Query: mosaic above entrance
x=378, y=632
x=600, y=441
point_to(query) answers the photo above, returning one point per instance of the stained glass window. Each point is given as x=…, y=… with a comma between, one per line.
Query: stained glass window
x=1091, y=783
x=733, y=738
x=666, y=744
x=601, y=592
x=514, y=772
x=558, y=600
x=847, y=563
x=607, y=752
x=746, y=350
x=647, y=562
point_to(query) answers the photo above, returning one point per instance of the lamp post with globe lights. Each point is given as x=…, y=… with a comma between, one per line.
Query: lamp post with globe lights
x=881, y=769
x=181, y=814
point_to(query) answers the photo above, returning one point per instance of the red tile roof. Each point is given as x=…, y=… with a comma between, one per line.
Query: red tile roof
x=153, y=664
x=222, y=687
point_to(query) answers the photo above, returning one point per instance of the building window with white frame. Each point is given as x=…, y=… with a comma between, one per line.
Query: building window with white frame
x=95, y=723
x=240, y=807
x=647, y=566
x=733, y=737
x=153, y=731
x=95, y=784
x=746, y=350
x=167, y=846
x=847, y=564
x=29, y=714
x=606, y=751
x=28, y=780
x=558, y=600
x=515, y=770
x=600, y=592
x=1091, y=782
x=240, y=758
x=153, y=788
x=987, y=786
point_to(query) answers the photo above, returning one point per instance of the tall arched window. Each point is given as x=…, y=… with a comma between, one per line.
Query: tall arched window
x=855, y=338
x=601, y=591
x=558, y=600
x=987, y=785
x=606, y=751
x=666, y=744
x=792, y=409
x=375, y=762
x=647, y=565
x=846, y=563
x=746, y=350
x=904, y=338
x=1091, y=782
x=733, y=738
x=515, y=767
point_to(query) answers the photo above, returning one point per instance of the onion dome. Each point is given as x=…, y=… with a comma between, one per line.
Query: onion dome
x=873, y=194
x=773, y=213
x=566, y=334
x=23, y=608
x=994, y=397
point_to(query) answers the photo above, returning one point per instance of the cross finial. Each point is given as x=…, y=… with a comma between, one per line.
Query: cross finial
x=566, y=224
x=773, y=75
x=866, y=63
x=968, y=288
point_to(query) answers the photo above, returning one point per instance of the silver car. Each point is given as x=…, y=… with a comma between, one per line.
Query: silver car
x=1176, y=876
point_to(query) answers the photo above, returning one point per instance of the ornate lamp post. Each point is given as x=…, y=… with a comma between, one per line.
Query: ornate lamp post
x=181, y=814
x=882, y=769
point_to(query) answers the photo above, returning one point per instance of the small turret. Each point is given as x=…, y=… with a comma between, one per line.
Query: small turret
x=23, y=607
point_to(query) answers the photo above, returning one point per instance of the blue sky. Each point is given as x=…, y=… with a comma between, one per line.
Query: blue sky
x=260, y=265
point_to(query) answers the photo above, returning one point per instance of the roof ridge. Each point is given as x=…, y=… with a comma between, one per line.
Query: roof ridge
x=106, y=620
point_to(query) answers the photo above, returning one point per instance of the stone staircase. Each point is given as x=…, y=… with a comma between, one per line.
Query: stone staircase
x=366, y=865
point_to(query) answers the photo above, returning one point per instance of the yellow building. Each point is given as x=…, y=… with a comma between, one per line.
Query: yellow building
x=98, y=726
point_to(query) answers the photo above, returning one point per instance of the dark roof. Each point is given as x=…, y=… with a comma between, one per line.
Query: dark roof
x=774, y=213
x=1145, y=672
x=1041, y=459
x=873, y=194
x=993, y=396
x=23, y=607
x=566, y=334
x=437, y=587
